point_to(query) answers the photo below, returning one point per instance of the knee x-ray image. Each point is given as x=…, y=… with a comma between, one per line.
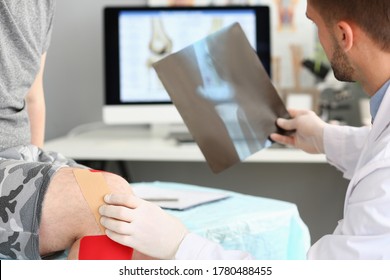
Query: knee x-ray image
x=224, y=95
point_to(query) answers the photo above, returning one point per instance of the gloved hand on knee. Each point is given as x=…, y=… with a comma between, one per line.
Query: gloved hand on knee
x=308, y=134
x=142, y=225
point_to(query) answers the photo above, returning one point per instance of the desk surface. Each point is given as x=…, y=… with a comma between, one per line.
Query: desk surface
x=267, y=228
x=132, y=145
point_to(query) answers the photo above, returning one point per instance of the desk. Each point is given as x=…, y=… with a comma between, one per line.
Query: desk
x=280, y=173
x=126, y=144
x=269, y=229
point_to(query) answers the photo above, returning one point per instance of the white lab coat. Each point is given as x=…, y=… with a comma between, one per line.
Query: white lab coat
x=363, y=155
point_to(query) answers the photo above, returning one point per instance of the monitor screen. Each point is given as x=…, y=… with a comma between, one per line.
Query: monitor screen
x=136, y=37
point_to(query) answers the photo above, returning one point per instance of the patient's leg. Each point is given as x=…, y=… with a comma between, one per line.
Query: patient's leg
x=66, y=216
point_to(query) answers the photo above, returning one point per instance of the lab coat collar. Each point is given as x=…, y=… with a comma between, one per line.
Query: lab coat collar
x=382, y=119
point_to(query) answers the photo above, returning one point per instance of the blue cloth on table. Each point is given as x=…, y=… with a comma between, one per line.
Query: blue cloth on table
x=267, y=228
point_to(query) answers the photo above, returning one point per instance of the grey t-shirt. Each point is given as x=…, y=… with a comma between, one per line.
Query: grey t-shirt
x=25, y=30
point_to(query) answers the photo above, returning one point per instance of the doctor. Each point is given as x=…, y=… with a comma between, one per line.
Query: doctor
x=356, y=38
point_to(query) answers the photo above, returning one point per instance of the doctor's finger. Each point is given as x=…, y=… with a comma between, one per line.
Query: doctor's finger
x=117, y=212
x=123, y=199
x=126, y=240
x=282, y=139
x=120, y=227
x=286, y=124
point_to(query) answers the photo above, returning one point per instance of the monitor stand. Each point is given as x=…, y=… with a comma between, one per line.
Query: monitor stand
x=178, y=132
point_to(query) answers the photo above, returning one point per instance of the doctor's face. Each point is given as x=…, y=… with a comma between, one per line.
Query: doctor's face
x=339, y=61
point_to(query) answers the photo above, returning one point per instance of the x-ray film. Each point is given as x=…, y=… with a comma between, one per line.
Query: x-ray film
x=224, y=95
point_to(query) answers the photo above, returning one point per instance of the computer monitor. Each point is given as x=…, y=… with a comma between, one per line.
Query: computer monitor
x=136, y=37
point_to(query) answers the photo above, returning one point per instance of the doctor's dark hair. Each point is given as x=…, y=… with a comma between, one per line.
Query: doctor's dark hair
x=372, y=16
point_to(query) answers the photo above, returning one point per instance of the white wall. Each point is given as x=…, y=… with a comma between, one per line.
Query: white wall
x=74, y=69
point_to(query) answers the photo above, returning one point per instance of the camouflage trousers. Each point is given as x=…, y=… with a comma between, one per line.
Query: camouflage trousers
x=25, y=174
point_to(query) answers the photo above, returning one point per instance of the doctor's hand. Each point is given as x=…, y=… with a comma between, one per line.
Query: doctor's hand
x=309, y=131
x=141, y=225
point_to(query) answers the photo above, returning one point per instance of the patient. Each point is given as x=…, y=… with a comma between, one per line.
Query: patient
x=42, y=209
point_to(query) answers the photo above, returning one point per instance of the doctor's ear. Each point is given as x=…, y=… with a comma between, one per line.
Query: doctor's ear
x=344, y=33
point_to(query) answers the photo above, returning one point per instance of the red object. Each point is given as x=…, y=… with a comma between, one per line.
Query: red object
x=100, y=247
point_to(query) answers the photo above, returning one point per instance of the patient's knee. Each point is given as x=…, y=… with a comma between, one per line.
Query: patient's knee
x=66, y=215
x=117, y=183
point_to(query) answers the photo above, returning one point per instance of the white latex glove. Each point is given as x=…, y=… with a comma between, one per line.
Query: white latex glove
x=309, y=131
x=141, y=225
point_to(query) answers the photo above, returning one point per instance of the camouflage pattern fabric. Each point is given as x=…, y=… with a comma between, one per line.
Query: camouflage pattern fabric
x=25, y=174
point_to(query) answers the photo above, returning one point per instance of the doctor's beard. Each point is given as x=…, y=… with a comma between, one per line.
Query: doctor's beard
x=342, y=69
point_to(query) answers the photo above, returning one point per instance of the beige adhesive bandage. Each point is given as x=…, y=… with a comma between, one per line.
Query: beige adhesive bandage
x=93, y=187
